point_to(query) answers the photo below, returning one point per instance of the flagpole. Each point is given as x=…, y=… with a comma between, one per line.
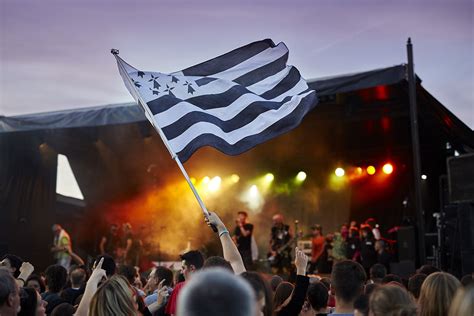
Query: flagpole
x=149, y=115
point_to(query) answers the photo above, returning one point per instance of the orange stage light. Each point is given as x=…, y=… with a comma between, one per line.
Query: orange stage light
x=387, y=168
x=371, y=170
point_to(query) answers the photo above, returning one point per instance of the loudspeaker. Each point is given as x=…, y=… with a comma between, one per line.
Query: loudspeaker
x=461, y=178
x=406, y=243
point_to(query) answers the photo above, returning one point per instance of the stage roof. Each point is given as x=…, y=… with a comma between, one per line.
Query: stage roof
x=327, y=86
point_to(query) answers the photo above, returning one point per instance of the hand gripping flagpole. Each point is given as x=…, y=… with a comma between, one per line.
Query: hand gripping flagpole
x=149, y=115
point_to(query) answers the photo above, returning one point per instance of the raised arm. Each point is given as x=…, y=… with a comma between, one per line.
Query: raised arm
x=91, y=288
x=231, y=253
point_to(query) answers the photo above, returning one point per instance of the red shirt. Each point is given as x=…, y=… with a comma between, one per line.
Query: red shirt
x=171, y=305
x=317, y=248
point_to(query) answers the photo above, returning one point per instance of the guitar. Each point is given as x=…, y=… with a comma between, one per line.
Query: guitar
x=273, y=255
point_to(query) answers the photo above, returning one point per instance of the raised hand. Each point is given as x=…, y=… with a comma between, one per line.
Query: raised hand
x=213, y=219
x=301, y=261
x=162, y=292
x=98, y=273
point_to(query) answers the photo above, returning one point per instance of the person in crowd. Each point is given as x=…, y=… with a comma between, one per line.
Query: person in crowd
x=467, y=279
x=36, y=282
x=62, y=247
x=282, y=293
x=347, y=281
x=9, y=294
x=317, y=298
x=389, y=278
x=344, y=231
x=463, y=302
x=108, y=265
x=294, y=304
x=216, y=292
x=280, y=246
x=275, y=281
x=353, y=244
x=114, y=297
x=110, y=242
x=361, y=305
x=437, y=292
x=414, y=284
x=427, y=269
x=63, y=309
x=131, y=274
x=77, y=278
x=370, y=287
x=13, y=263
x=215, y=262
x=368, y=256
x=159, y=275
x=192, y=261
x=243, y=238
x=262, y=293
x=383, y=257
x=377, y=273
x=317, y=249
x=31, y=303
x=56, y=278
x=391, y=300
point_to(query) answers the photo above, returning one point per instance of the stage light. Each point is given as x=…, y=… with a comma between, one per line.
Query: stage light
x=424, y=177
x=339, y=172
x=193, y=180
x=214, y=184
x=301, y=176
x=387, y=168
x=358, y=171
x=371, y=170
x=206, y=180
x=234, y=178
x=254, y=191
x=269, y=177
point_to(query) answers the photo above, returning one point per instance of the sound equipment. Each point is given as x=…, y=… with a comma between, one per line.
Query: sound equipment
x=406, y=243
x=461, y=178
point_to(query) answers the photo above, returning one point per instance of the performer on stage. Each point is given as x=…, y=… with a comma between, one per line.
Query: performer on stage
x=317, y=249
x=62, y=248
x=280, y=246
x=131, y=246
x=243, y=238
x=110, y=242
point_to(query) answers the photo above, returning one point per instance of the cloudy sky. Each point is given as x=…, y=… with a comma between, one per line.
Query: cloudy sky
x=55, y=54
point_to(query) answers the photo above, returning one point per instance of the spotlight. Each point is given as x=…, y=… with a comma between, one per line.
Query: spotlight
x=215, y=184
x=253, y=191
x=269, y=177
x=424, y=177
x=193, y=180
x=371, y=170
x=206, y=180
x=234, y=178
x=339, y=172
x=358, y=171
x=301, y=176
x=387, y=168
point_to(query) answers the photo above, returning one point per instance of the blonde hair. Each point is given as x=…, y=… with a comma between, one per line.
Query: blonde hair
x=114, y=297
x=391, y=300
x=463, y=302
x=437, y=292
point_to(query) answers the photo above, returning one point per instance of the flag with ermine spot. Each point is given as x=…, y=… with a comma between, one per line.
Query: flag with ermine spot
x=232, y=102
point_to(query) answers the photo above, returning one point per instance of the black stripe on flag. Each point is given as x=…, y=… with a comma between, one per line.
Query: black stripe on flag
x=263, y=72
x=212, y=101
x=278, y=128
x=243, y=118
x=228, y=60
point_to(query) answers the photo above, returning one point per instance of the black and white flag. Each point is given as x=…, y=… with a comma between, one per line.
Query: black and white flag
x=232, y=102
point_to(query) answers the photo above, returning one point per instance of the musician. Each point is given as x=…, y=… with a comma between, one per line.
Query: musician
x=317, y=248
x=110, y=242
x=61, y=246
x=243, y=238
x=280, y=248
x=131, y=246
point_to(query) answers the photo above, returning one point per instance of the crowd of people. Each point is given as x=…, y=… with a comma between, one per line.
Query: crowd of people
x=226, y=286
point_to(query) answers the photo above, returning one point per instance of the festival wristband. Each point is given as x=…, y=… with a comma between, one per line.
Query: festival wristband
x=223, y=232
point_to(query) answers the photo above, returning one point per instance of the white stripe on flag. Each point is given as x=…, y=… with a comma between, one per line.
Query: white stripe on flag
x=259, y=124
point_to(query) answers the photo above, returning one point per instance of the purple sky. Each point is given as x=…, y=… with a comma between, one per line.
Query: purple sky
x=55, y=54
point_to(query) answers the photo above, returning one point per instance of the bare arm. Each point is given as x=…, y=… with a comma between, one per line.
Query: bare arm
x=91, y=288
x=102, y=245
x=231, y=253
x=244, y=232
